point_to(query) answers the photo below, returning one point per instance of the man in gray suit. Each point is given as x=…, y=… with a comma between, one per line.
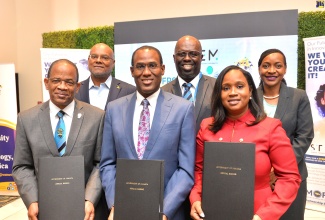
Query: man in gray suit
x=101, y=88
x=188, y=57
x=35, y=137
x=170, y=130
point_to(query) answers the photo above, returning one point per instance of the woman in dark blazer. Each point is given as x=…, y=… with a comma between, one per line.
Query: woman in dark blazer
x=292, y=107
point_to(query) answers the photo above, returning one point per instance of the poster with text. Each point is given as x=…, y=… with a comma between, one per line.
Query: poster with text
x=8, y=120
x=315, y=88
x=217, y=54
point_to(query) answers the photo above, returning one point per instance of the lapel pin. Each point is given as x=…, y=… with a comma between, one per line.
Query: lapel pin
x=79, y=115
x=118, y=87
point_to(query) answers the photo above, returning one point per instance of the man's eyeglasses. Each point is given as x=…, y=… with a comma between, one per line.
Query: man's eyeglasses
x=57, y=81
x=103, y=57
x=192, y=54
x=141, y=66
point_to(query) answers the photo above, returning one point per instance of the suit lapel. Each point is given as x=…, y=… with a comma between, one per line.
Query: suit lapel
x=114, y=90
x=45, y=123
x=200, y=96
x=84, y=91
x=77, y=120
x=176, y=89
x=163, y=109
x=127, y=120
x=282, y=107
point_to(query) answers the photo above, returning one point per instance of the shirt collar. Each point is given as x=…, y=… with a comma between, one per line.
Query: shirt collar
x=194, y=82
x=152, y=99
x=68, y=110
x=107, y=83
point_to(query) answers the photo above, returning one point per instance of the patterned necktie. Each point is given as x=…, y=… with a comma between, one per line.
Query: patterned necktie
x=187, y=92
x=60, y=135
x=144, y=129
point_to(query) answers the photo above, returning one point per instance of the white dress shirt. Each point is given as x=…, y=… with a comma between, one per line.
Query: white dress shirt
x=98, y=94
x=137, y=111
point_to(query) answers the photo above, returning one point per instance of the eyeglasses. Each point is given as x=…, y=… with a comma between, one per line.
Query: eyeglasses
x=141, y=66
x=103, y=57
x=57, y=81
x=192, y=54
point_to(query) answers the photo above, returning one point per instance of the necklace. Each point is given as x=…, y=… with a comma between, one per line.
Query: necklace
x=271, y=97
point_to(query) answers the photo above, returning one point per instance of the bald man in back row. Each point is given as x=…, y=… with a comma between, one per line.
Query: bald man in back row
x=187, y=58
x=101, y=87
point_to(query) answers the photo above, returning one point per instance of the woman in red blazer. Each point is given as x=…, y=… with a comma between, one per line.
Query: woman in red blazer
x=238, y=116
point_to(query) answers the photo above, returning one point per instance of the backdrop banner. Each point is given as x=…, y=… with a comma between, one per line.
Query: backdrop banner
x=315, y=88
x=77, y=56
x=217, y=54
x=8, y=120
x=224, y=42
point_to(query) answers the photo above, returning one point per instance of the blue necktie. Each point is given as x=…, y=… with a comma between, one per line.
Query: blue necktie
x=187, y=92
x=60, y=135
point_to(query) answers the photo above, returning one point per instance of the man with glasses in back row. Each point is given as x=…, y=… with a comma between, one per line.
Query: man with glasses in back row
x=187, y=58
x=101, y=87
x=151, y=124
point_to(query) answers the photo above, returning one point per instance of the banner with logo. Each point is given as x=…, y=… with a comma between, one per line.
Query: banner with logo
x=315, y=88
x=8, y=120
x=217, y=54
x=77, y=56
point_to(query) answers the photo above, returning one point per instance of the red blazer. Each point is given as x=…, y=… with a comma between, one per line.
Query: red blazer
x=273, y=149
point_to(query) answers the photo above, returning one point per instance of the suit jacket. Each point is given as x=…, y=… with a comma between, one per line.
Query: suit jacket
x=294, y=112
x=117, y=90
x=172, y=139
x=34, y=139
x=203, y=97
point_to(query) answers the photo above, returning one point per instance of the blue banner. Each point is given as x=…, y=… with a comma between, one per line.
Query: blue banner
x=8, y=118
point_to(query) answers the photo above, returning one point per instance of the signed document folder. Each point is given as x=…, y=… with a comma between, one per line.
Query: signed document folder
x=228, y=180
x=139, y=189
x=61, y=188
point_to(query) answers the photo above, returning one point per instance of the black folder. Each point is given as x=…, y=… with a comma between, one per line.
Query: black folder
x=228, y=180
x=61, y=188
x=139, y=189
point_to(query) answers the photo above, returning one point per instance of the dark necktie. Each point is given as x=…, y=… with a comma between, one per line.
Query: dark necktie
x=60, y=134
x=187, y=92
x=143, y=129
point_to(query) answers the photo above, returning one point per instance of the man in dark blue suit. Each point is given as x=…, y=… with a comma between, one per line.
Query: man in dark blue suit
x=171, y=135
x=101, y=88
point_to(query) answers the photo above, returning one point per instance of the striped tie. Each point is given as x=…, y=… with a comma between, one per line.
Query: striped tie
x=187, y=92
x=60, y=135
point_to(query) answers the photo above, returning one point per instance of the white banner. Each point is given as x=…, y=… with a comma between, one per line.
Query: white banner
x=315, y=88
x=8, y=120
x=218, y=53
x=77, y=56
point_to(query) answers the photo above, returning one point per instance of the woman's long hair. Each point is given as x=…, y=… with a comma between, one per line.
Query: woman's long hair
x=219, y=112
